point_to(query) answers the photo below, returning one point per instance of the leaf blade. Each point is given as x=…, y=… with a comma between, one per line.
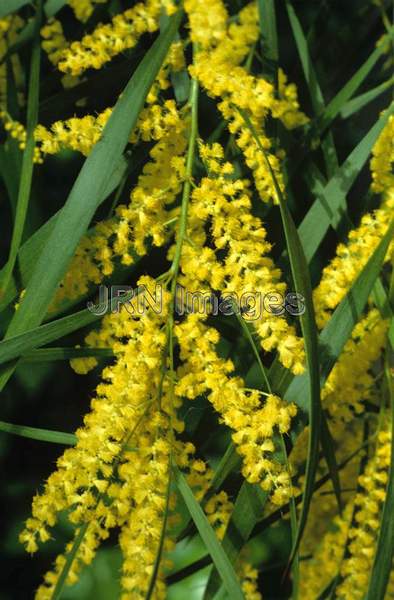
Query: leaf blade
x=42, y=435
x=26, y=175
x=330, y=206
x=215, y=549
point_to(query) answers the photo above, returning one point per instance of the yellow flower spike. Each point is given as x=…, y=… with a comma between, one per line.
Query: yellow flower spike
x=107, y=41
x=84, y=8
x=253, y=424
x=357, y=529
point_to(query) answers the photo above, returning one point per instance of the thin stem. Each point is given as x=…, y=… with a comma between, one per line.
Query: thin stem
x=193, y=101
x=28, y=153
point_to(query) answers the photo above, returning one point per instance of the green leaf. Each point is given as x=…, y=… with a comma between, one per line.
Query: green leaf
x=53, y=6
x=318, y=104
x=269, y=36
x=382, y=301
x=52, y=354
x=278, y=514
x=26, y=175
x=43, y=435
x=215, y=549
x=9, y=6
x=261, y=524
x=229, y=462
x=330, y=206
x=300, y=273
x=10, y=170
x=251, y=499
x=356, y=104
x=31, y=249
x=248, y=508
x=349, y=88
x=90, y=184
x=16, y=346
x=70, y=556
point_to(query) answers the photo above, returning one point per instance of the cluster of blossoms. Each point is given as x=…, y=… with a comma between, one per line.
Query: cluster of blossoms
x=348, y=548
x=118, y=476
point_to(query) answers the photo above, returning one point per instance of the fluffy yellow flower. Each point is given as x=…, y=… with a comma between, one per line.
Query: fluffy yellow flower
x=356, y=529
x=107, y=41
x=254, y=422
x=84, y=8
x=236, y=257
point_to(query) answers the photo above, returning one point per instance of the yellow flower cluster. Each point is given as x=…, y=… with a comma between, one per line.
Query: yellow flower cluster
x=239, y=239
x=10, y=28
x=117, y=474
x=18, y=132
x=355, y=531
x=218, y=70
x=383, y=159
x=324, y=507
x=53, y=38
x=318, y=572
x=350, y=382
x=156, y=190
x=4, y=27
x=145, y=216
x=81, y=134
x=368, y=503
x=249, y=581
x=78, y=134
x=107, y=41
x=351, y=257
x=254, y=422
x=84, y=8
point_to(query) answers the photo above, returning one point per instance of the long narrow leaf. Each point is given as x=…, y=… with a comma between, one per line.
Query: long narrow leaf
x=350, y=88
x=336, y=333
x=9, y=6
x=90, y=185
x=30, y=250
x=318, y=104
x=52, y=7
x=70, y=556
x=269, y=36
x=248, y=509
x=329, y=207
x=16, y=346
x=53, y=354
x=26, y=175
x=356, y=104
x=215, y=549
x=43, y=435
x=261, y=524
